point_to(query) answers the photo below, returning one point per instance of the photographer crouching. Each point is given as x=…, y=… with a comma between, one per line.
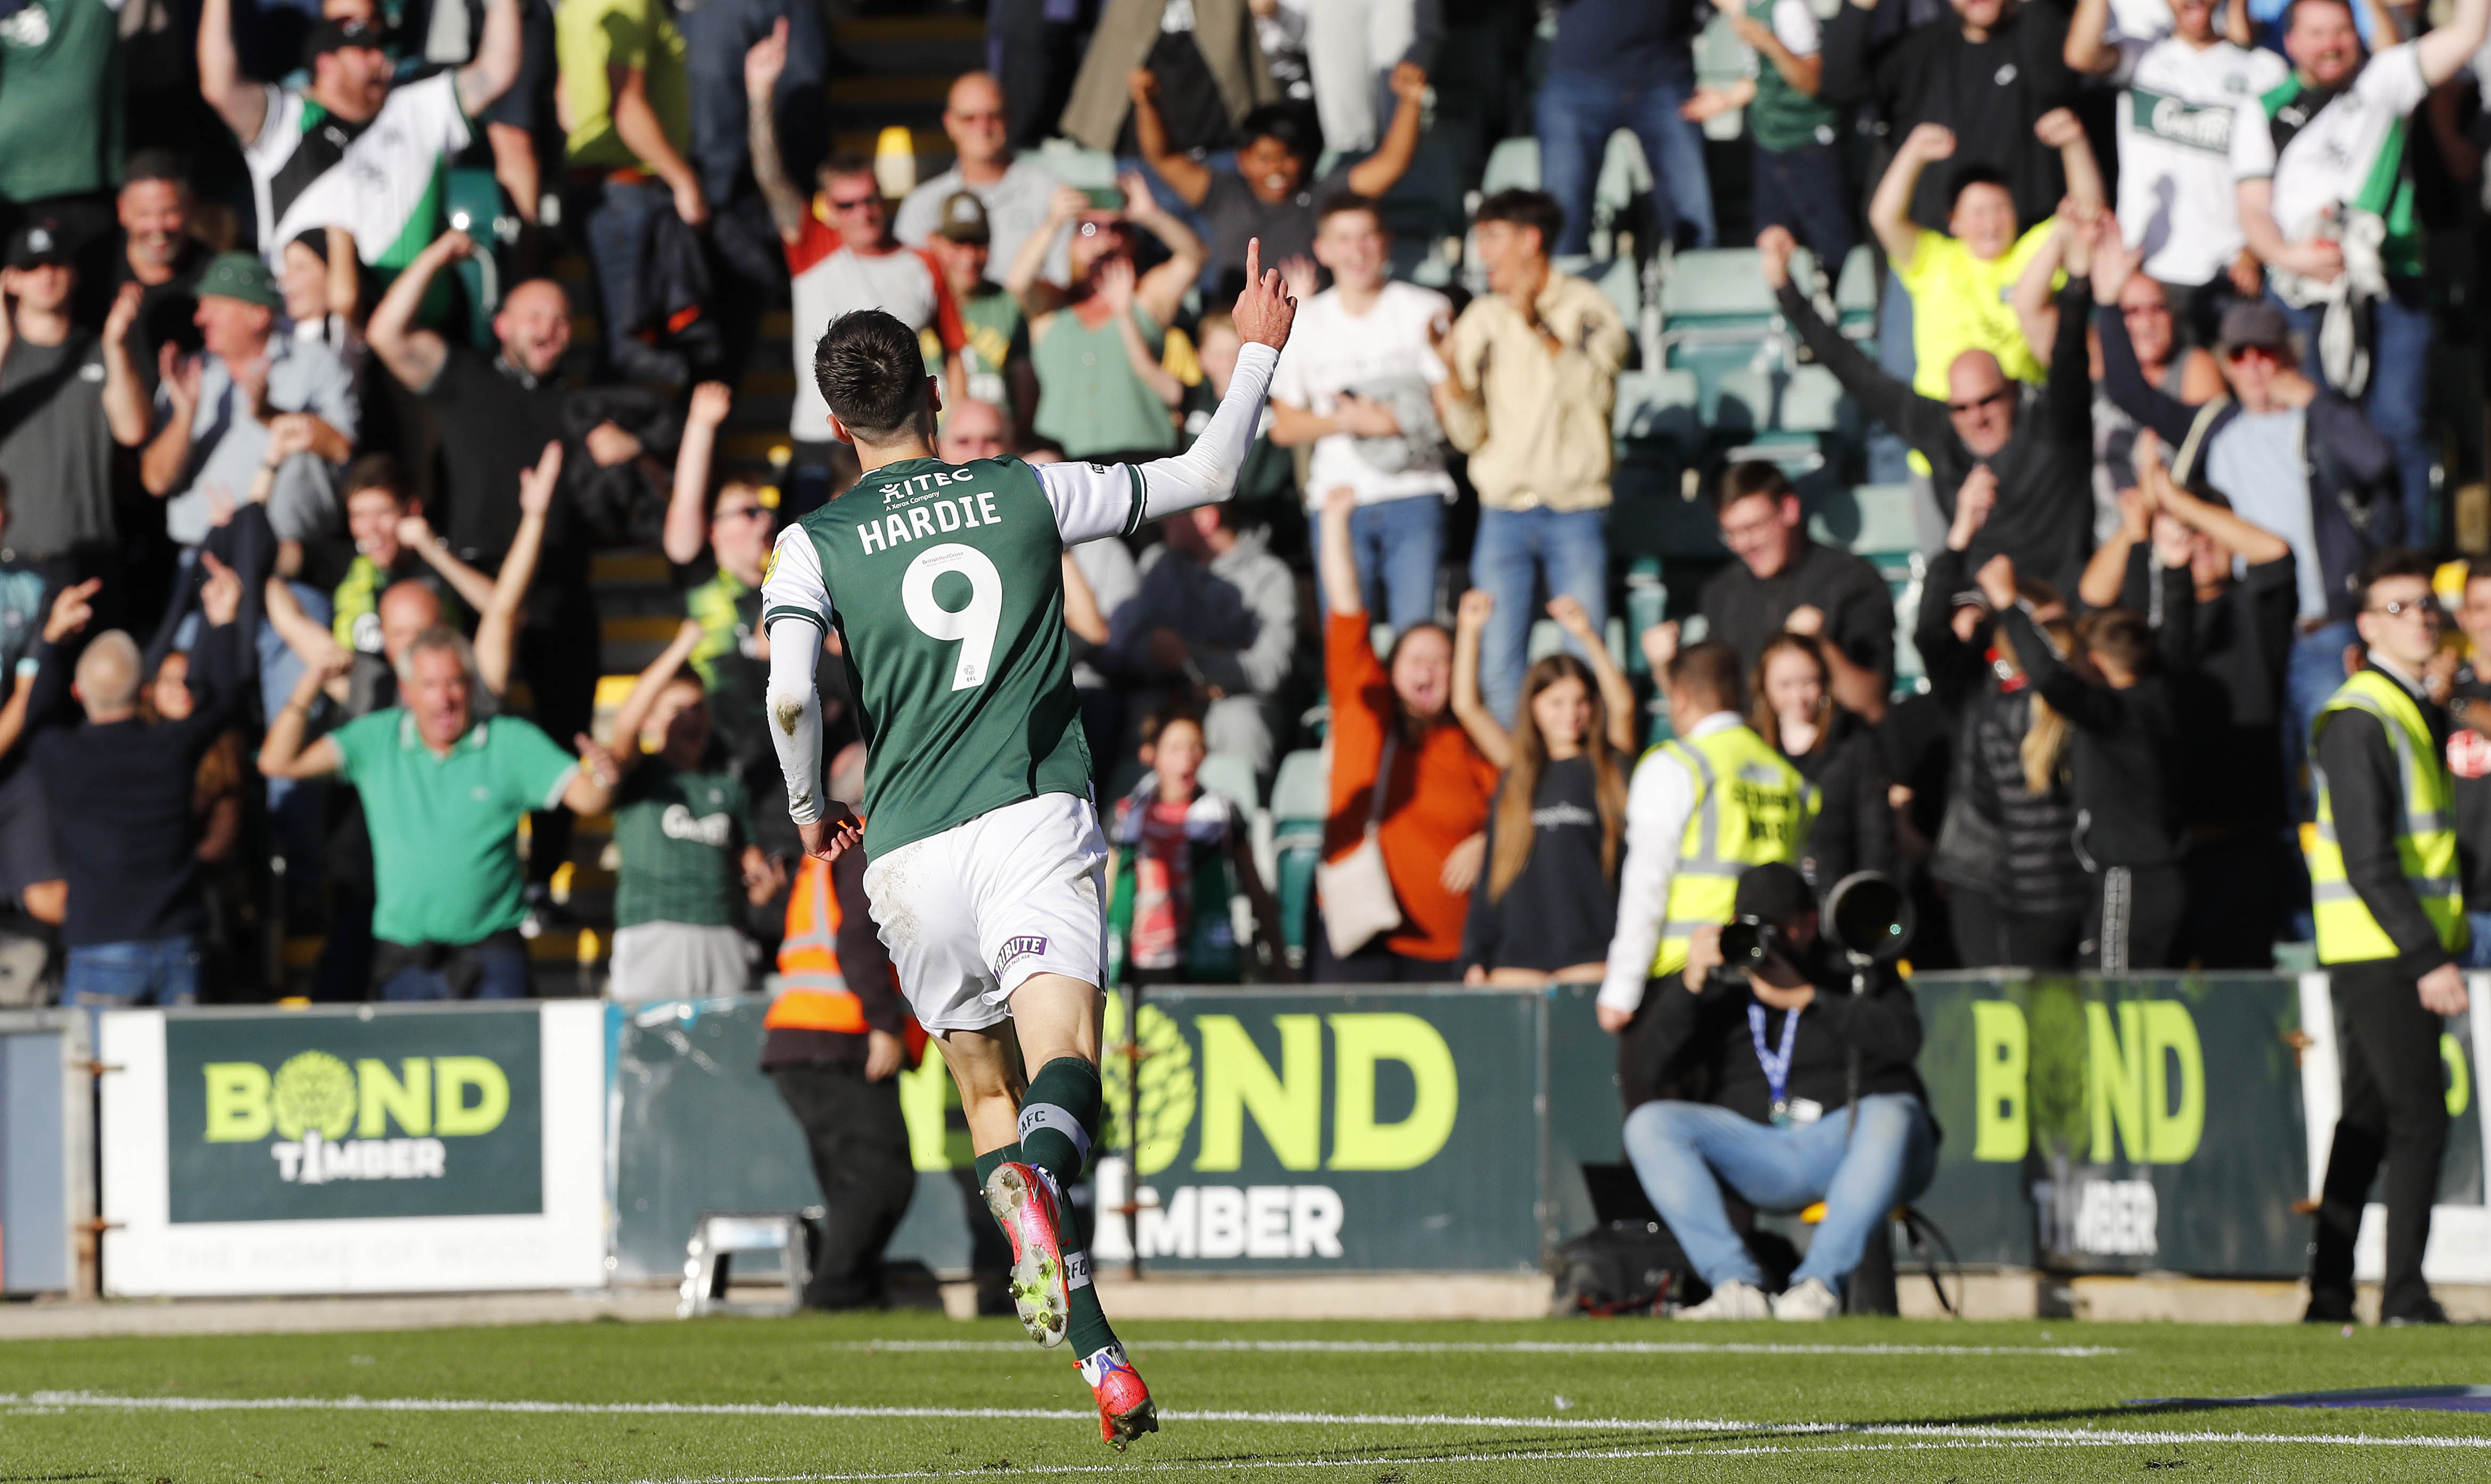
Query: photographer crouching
x=1781, y=1082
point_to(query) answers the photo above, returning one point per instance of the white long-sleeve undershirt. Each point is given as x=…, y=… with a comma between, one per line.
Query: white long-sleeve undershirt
x=1658, y=801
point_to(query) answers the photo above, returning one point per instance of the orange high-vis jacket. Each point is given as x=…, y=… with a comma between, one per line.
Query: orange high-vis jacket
x=813, y=993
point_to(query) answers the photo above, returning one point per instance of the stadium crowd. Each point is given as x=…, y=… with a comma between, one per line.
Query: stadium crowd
x=302, y=463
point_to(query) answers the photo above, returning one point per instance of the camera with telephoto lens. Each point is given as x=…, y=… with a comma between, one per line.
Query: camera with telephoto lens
x=1747, y=941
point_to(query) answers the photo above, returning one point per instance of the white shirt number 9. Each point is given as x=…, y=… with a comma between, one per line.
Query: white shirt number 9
x=972, y=627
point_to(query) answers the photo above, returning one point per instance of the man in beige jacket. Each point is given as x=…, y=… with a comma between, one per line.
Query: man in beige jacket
x=1534, y=365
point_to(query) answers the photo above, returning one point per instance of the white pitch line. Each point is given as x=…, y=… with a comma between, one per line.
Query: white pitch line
x=1961, y=1432
x=1503, y=1346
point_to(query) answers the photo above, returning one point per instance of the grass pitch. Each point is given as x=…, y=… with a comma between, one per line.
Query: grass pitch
x=909, y=1396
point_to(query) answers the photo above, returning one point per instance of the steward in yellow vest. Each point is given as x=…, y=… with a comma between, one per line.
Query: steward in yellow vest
x=1704, y=806
x=2391, y=918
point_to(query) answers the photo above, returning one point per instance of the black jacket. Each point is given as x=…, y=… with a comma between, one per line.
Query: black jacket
x=2123, y=760
x=1988, y=92
x=2366, y=788
x=2044, y=515
x=1701, y=1048
x=2354, y=503
x=1855, y=827
x=2036, y=873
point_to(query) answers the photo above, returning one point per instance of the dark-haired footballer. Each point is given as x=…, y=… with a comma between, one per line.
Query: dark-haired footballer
x=943, y=583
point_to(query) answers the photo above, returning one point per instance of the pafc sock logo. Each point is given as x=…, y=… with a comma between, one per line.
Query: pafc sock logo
x=1017, y=948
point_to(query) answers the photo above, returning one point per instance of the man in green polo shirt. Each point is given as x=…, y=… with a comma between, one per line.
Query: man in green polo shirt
x=444, y=794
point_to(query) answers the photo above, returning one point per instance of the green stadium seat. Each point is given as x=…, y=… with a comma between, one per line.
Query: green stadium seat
x=1301, y=800
x=1868, y=518
x=1513, y=165
x=1232, y=776
x=1077, y=167
x=1622, y=280
x=473, y=201
x=1855, y=292
x=1720, y=59
x=1658, y=405
x=1811, y=401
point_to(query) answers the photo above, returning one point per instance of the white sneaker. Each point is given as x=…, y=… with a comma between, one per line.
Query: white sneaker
x=1733, y=1299
x=1809, y=1300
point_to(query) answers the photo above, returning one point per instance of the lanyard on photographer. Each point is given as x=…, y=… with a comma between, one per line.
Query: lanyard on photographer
x=1776, y=1064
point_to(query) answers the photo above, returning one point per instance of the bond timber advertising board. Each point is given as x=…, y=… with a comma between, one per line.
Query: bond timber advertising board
x=353, y=1149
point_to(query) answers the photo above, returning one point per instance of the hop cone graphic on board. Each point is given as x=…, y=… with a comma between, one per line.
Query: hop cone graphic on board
x=1164, y=1106
x=313, y=1089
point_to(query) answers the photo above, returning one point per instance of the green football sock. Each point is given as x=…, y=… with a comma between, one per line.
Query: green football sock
x=1058, y=1118
x=995, y=1159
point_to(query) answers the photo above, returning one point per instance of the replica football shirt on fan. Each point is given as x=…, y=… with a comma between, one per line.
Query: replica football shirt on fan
x=381, y=181
x=2346, y=148
x=2175, y=151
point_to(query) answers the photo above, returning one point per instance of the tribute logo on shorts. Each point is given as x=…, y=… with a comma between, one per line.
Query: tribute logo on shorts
x=1017, y=948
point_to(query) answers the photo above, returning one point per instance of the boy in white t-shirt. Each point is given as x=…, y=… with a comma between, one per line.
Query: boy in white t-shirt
x=1354, y=383
x=2327, y=200
x=2185, y=84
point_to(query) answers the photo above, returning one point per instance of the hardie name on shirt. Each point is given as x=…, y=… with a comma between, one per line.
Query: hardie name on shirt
x=921, y=520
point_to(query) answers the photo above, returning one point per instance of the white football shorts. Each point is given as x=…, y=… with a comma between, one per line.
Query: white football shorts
x=971, y=913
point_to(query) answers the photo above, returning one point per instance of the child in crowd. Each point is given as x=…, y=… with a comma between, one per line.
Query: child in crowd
x=1182, y=853
x=1959, y=278
x=1545, y=909
x=683, y=824
x=1791, y=704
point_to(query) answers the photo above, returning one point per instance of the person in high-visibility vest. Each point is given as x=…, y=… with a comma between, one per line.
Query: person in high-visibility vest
x=2390, y=917
x=1701, y=808
x=836, y=1039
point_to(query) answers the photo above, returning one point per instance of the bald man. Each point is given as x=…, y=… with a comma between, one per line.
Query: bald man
x=497, y=412
x=124, y=786
x=2010, y=464
x=973, y=430
x=1013, y=189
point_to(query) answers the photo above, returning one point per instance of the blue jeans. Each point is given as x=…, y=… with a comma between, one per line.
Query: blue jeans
x=114, y=976
x=2313, y=672
x=616, y=220
x=1684, y=1152
x=1515, y=551
x=2399, y=389
x=2478, y=954
x=1577, y=114
x=1398, y=544
x=1802, y=191
x=505, y=970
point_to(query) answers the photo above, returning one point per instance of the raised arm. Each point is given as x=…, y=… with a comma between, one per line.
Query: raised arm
x=1162, y=289
x=474, y=588
x=1918, y=421
x=281, y=752
x=496, y=66
x=1335, y=559
x=2246, y=539
x=687, y=527
x=1116, y=292
x=125, y=396
x=2035, y=305
x=2088, y=51
x=497, y=619
x=168, y=453
x=2444, y=51
x=763, y=66
x=2094, y=708
x=1188, y=176
x=1380, y=171
x=238, y=101
x=2123, y=377
x=2105, y=577
x=2060, y=130
x=633, y=715
x=1487, y=734
x=1617, y=692
x=414, y=357
x=1890, y=210
x=1207, y=471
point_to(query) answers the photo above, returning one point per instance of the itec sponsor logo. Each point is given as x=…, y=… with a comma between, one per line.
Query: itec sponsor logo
x=328, y=1120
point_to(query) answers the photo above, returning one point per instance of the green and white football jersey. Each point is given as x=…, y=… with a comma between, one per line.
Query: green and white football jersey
x=945, y=584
